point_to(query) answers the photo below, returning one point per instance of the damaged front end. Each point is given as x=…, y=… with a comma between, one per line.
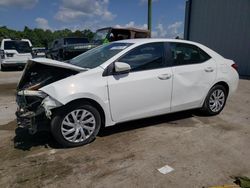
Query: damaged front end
x=34, y=106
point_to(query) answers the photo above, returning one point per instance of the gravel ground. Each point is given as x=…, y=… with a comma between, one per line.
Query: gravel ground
x=8, y=83
x=204, y=151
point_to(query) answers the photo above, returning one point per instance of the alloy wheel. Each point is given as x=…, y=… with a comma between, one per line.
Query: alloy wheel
x=78, y=125
x=217, y=100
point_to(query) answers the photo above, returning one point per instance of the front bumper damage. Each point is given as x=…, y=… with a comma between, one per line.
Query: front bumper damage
x=35, y=107
x=34, y=110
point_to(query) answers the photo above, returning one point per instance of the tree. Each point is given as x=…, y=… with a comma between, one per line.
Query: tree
x=40, y=37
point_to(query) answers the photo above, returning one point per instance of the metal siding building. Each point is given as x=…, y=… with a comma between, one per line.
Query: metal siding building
x=222, y=25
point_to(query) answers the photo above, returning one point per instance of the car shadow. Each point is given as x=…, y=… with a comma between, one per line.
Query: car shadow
x=147, y=122
x=25, y=141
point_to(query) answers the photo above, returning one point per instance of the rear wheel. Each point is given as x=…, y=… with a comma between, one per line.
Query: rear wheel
x=76, y=125
x=215, y=100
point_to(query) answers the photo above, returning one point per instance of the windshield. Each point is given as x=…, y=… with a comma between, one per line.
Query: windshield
x=75, y=40
x=19, y=46
x=97, y=56
x=100, y=35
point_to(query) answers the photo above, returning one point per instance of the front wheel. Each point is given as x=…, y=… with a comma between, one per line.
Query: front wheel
x=215, y=100
x=76, y=124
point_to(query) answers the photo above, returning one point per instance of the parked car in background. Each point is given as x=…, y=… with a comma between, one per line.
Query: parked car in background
x=122, y=81
x=39, y=52
x=111, y=34
x=67, y=48
x=15, y=53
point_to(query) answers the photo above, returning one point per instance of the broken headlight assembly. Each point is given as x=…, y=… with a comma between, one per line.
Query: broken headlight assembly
x=34, y=109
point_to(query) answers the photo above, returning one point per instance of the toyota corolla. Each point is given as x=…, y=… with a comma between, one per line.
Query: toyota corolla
x=121, y=81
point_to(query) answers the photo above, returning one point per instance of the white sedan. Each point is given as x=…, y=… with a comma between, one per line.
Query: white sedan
x=122, y=81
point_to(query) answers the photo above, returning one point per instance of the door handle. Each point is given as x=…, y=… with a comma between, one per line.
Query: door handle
x=164, y=76
x=209, y=69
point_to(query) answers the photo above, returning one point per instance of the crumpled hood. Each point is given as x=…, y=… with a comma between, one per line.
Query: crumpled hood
x=40, y=72
x=54, y=63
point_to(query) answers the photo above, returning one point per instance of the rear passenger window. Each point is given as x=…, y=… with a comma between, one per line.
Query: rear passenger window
x=184, y=54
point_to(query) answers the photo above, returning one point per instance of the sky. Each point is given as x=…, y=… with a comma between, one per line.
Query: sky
x=167, y=15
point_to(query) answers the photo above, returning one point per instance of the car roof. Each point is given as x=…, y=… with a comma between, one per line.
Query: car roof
x=149, y=40
x=137, y=42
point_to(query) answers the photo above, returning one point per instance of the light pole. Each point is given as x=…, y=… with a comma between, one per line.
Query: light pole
x=150, y=16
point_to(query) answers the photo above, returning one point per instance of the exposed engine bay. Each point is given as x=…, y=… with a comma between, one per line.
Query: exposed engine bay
x=33, y=105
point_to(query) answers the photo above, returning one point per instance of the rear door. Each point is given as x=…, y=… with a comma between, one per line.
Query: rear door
x=194, y=73
x=146, y=90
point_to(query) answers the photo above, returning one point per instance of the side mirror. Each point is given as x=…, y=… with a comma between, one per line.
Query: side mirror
x=122, y=68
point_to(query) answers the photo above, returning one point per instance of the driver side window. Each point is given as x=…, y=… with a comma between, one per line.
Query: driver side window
x=145, y=57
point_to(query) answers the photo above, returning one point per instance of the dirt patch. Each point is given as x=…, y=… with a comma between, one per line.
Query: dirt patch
x=36, y=171
x=8, y=89
x=9, y=126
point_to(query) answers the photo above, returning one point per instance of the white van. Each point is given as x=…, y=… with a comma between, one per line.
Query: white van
x=15, y=53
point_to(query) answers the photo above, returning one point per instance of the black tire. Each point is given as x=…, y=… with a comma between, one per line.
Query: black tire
x=60, y=114
x=2, y=68
x=206, y=109
x=52, y=56
x=61, y=55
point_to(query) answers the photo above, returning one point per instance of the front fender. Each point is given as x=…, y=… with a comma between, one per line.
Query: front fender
x=88, y=85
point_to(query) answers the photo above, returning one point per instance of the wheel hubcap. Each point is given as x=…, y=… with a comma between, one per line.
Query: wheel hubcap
x=217, y=100
x=78, y=125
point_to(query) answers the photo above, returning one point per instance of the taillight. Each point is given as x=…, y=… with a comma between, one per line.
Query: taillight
x=9, y=54
x=235, y=66
x=2, y=54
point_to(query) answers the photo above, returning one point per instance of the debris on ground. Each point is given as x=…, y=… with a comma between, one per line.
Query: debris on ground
x=226, y=186
x=165, y=169
x=243, y=182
